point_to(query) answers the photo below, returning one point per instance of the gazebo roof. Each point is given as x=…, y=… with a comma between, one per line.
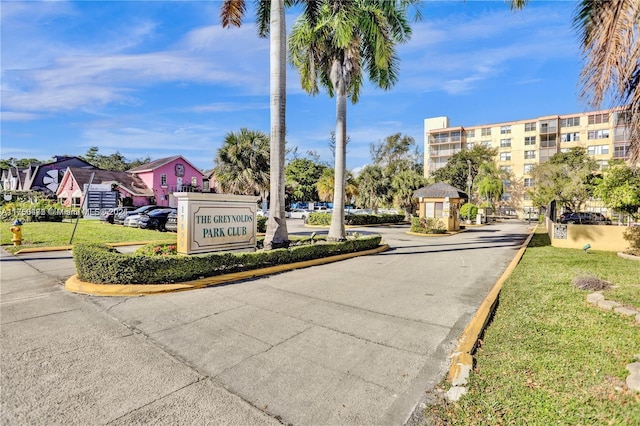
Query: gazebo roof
x=439, y=190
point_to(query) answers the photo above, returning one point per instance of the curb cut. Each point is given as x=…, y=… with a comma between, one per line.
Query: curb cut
x=75, y=285
x=462, y=358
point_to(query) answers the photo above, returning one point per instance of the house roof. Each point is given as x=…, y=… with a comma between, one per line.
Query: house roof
x=439, y=190
x=132, y=184
x=147, y=167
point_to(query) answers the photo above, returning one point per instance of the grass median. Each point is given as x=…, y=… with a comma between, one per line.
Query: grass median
x=550, y=357
x=50, y=234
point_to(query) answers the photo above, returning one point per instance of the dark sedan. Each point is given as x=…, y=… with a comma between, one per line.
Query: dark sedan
x=575, y=218
x=109, y=215
x=155, y=219
x=172, y=222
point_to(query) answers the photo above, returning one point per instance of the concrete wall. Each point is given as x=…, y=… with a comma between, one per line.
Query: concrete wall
x=600, y=237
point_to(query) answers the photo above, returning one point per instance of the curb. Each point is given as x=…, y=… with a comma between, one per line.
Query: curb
x=462, y=358
x=446, y=234
x=75, y=285
x=70, y=247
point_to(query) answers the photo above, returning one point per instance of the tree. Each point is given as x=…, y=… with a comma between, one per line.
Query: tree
x=326, y=186
x=271, y=21
x=373, y=188
x=395, y=154
x=403, y=185
x=568, y=177
x=608, y=32
x=619, y=189
x=348, y=36
x=301, y=177
x=456, y=171
x=489, y=183
x=15, y=162
x=115, y=162
x=242, y=164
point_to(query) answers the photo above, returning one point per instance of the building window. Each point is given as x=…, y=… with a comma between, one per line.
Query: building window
x=598, y=134
x=570, y=122
x=471, y=133
x=598, y=118
x=623, y=118
x=530, y=127
x=528, y=168
x=505, y=130
x=486, y=143
x=486, y=131
x=75, y=201
x=205, y=185
x=506, y=183
x=505, y=156
x=527, y=196
x=528, y=182
x=163, y=180
x=506, y=169
x=547, y=141
x=194, y=181
x=505, y=143
x=529, y=140
x=506, y=196
x=529, y=155
x=598, y=149
x=570, y=137
x=620, y=151
x=603, y=164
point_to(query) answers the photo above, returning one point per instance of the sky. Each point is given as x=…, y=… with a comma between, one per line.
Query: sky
x=163, y=78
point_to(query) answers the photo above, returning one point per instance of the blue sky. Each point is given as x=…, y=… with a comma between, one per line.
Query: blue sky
x=164, y=78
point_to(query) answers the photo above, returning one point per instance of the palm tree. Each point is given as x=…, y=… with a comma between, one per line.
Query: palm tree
x=609, y=32
x=326, y=186
x=373, y=188
x=242, y=164
x=349, y=35
x=271, y=21
x=403, y=185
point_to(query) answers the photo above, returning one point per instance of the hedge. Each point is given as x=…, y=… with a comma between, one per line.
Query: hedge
x=324, y=219
x=100, y=264
x=427, y=226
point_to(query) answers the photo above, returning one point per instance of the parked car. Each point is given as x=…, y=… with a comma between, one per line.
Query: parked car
x=265, y=213
x=109, y=215
x=299, y=214
x=599, y=219
x=582, y=218
x=172, y=222
x=132, y=221
x=155, y=219
x=120, y=217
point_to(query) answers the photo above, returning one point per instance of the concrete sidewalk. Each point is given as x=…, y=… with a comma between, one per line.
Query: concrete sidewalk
x=355, y=342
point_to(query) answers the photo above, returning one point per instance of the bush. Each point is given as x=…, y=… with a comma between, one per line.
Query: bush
x=632, y=235
x=262, y=224
x=324, y=219
x=427, y=225
x=101, y=264
x=469, y=211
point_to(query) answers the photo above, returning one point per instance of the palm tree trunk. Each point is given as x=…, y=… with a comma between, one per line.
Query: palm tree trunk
x=277, y=235
x=337, y=230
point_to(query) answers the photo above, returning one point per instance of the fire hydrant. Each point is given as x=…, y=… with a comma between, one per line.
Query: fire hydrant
x=16, y=230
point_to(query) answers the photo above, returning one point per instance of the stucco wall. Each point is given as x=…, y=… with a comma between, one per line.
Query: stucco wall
x=600, y=237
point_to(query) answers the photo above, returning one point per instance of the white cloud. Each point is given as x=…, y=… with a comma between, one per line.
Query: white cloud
x=18, y=116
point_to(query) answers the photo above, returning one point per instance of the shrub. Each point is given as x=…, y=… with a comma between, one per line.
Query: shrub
x=324, y=219
x=427, y=225
x=469, y=211
x=101, y=264
x=319, y=219
x=632, y=234
x=262, y=224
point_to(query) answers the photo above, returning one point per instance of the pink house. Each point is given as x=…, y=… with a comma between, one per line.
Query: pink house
x=168, y=175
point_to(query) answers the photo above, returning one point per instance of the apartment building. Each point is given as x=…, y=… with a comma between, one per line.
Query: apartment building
x=524, y=143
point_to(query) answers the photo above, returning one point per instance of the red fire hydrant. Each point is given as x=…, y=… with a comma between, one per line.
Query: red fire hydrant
x=16, y=230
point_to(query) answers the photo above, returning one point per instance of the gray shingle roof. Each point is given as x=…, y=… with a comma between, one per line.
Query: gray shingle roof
x=439, y=190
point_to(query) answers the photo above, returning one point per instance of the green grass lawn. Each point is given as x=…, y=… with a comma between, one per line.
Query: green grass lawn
x=46, y=234
x=549, y=357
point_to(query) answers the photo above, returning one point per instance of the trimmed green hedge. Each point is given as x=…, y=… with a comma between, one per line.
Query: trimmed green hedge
x=100, y=264
x=324, y=219
x=428, y=225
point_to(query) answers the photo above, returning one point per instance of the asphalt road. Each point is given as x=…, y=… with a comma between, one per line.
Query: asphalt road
x=353, y=342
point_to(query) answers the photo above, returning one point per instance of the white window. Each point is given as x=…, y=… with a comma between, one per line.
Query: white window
x=598, y=118
x=529, y=155
x=570, y=137
x=529, y=140
x=598, y=149
x=506, y=196
x=163, y=180
x=570, y=122
x=528, y=182
x=194, y=181
x=528, y=167
x=530, y=127
x=505, y=143
x=598, y=134
x=603, y=164
x=486, y=131
x=505, y=130
x=506, y=169
x=505, y=156
x=471, y=133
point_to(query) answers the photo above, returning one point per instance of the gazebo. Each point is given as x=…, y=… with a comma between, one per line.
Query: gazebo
x=441, y=201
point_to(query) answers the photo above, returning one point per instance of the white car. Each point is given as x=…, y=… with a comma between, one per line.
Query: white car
x=132, y=221
x=266, y=213
x=299, y=214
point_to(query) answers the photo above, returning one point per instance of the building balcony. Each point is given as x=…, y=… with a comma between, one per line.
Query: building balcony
x=184, y=188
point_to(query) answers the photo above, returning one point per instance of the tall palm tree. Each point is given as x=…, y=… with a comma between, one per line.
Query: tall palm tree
x=242, y=164
x=609, y=33
x=271, y=21
x=403, y=185
x=373, y=188
x=349, y=36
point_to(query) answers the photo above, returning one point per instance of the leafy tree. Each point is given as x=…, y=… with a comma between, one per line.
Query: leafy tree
x=456, y=171
x=568, y=177
x=115, y=162
x=348, y=37
x=396, y=153
x=403, y=185
x=301, y=177
x=373, y=188
x=15, y=162
x=326, y=186
x=242, y=164
x=489, y=183
x=619, y=189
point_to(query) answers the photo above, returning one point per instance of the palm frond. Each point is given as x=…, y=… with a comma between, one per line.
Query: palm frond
x=232, y=12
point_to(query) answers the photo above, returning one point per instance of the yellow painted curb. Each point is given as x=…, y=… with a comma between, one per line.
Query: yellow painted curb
x=462, y=359
x=43, y=249
x=75, y=285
